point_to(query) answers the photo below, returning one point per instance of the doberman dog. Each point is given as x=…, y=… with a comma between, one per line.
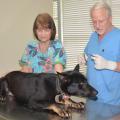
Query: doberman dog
x=46, y=90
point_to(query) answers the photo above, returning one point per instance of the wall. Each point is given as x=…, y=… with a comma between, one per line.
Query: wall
x=16, y=21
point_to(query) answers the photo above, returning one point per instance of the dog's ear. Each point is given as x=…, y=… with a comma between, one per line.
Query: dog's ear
x=77, y=67
x=62, y=76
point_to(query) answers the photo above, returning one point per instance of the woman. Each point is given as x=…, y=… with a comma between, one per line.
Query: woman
x=45, y=53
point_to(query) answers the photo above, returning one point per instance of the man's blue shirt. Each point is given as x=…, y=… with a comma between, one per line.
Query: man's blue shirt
x=107, y=82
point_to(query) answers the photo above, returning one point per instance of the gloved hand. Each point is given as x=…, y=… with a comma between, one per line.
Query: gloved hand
x=102, y=63
x=82, y=59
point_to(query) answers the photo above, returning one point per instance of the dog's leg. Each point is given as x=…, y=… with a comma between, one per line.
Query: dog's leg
x=60, y=110
x=76, y=105
x=36, y=104
x=57, y=108
x=10, y=99
x=10, y=103
x=70, y=103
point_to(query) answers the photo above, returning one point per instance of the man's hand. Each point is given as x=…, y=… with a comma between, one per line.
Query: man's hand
x=102, y=63
x=82, y=59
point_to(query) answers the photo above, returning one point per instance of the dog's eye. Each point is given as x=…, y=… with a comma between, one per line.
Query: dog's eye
x=81, y=85
x=65, y=80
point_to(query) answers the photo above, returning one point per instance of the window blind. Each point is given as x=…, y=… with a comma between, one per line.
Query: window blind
x=115, y=5
x=76, y=29
x=76, y=26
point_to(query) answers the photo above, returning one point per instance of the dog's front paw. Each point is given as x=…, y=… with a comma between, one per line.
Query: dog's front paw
x=79, y=105
x=62, y=111
x=76, y=105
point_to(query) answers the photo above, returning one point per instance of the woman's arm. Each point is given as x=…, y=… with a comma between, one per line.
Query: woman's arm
x=58, y=68
x=26, y=69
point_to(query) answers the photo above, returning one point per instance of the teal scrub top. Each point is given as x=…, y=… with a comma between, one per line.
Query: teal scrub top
x=107, y=82
x=43, y=62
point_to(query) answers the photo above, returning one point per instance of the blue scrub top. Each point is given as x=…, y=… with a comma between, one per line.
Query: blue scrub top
x=107, y=82
x=101, y=111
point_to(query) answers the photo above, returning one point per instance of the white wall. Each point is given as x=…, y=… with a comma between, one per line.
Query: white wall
x=16, y=21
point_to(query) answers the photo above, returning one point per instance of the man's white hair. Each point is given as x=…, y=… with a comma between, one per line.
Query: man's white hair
x=102, y=4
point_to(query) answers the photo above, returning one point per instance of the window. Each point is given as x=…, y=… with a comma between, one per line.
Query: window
x=76, y=29
x=75, y=26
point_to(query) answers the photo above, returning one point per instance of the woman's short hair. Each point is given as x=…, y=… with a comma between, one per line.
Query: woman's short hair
x=46, y=21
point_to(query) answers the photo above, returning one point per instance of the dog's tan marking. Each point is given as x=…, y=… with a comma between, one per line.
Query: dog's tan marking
x=61, y=112
x=70, y=103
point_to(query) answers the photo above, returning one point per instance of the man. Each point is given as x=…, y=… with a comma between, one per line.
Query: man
x=102, y=55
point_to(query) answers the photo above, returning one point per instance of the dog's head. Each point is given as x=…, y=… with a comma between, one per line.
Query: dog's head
x=76, y=84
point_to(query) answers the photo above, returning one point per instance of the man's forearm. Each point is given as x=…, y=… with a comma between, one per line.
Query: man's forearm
x=118, y=67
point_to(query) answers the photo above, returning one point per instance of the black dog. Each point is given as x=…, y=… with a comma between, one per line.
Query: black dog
x=39, y=91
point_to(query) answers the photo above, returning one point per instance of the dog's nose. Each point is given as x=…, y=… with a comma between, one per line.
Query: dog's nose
x=95, y=92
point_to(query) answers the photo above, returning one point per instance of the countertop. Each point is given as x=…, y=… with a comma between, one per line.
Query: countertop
x=94, y=111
